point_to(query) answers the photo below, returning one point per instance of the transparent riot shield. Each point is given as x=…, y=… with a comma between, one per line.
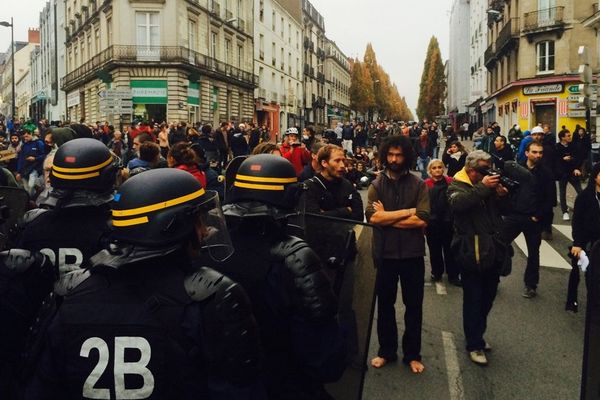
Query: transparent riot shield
x=346, y=249
x=590, y=382
x=14, y=203
x=230, y=173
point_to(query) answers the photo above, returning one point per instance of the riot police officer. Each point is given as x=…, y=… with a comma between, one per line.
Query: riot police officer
x=142, y=322
x=291, y=296
x=68, y=231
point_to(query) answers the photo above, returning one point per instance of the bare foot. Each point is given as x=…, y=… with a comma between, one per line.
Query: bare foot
x=378, y=362
x=416, y=367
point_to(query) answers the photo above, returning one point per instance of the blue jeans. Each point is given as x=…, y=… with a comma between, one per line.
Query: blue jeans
x=422, y=166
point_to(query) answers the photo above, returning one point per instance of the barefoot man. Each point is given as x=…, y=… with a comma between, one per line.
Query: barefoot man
x=398, y=202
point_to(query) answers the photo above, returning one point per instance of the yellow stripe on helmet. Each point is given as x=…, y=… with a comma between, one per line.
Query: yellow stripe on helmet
x=261, y=179
x=158, y=206
x=75, y=177
x=259, y=187
x=81, y=170
x=130, y=222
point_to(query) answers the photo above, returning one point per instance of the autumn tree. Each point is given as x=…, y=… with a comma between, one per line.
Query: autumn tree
x=362, y=97
x=433, y=83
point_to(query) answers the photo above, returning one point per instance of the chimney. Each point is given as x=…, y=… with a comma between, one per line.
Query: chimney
x=33, y=36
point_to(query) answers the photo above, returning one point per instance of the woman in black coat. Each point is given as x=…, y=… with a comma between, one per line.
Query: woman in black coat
x=454, y=157
x=586, y=230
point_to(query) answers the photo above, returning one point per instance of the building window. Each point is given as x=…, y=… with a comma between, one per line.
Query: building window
x=97, y=39
x=273, y=17
x=213, y=44
x=109, y=31
x=227, y=50
x=192, y=34
x=273, y=54
x=261, y=47
x=147, y=29
x=240, y=57
x=282, y=28
x=545, y=56
x=261, y=11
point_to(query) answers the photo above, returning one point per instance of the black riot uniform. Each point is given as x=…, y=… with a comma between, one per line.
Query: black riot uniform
x=142, y=322
x=291, y=297
x=68, y=231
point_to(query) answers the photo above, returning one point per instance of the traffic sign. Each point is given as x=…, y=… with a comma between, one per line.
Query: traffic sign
x=580, y=113
x=115, y=94
x=106, y=102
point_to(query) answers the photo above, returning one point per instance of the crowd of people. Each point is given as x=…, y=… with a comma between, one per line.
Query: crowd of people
x=114, y=208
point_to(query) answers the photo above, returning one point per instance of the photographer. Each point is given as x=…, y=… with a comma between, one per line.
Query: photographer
x=475, y=201
x=528, y=204
x=295, y=151
x=328, y=192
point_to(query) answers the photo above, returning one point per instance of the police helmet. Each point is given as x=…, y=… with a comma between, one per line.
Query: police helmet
x=266, y=178
x=84, y=164
x=160, y=206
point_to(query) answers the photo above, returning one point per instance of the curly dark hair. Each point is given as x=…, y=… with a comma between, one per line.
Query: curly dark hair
x=397, y=141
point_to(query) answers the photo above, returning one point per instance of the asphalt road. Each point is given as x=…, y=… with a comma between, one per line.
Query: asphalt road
x=537, y=346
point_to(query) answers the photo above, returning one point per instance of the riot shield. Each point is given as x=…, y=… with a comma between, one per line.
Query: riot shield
x=230, y=173
x=14, y=203
x=346, y=249
x=590, y=377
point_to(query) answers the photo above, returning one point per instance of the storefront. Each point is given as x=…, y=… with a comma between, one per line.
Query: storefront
x=552, y=101
x=193, y=101
x=268, y=115
x=150, y=100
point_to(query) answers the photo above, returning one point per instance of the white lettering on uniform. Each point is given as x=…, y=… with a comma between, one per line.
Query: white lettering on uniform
x=120, y=367
x=132, y=368
x=63, y=253
x=89, y=391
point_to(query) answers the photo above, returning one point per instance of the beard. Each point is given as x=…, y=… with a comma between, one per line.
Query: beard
x=395, y=167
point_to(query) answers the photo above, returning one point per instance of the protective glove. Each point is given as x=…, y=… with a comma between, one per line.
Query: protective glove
x=583, y=261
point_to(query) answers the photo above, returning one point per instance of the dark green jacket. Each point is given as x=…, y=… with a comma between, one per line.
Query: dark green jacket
x=477, y=221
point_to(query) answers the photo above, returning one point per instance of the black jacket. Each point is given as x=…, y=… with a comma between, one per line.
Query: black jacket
x=586, y=217
x=564, y=169
x=332, y=198
x=453, y=165
x=501, y=156
x=534, y=198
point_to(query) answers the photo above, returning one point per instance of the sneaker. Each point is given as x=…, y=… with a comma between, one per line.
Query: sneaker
x=529, y=293
x=478, y=357
x=566, y=216
x=572, y=306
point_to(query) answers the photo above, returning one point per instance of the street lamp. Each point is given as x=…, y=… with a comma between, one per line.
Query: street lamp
x=12, y=45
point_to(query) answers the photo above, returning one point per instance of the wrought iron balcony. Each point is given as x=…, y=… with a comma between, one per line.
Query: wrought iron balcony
x=544, y=20
x=508, y=35
x=489, y=56
x=159, y=56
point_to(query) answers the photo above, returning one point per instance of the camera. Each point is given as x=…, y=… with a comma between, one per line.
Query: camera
x=505, y=181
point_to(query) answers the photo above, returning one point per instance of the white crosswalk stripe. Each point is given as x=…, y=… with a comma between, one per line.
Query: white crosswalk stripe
x=565, y=230
x=549, y=257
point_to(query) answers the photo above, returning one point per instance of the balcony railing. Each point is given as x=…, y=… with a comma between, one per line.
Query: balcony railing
x=508, y=33
x=159, y=56
x=490, y=55
x=544, y=19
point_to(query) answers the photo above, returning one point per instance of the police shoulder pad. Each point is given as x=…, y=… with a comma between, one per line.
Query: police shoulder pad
x=204, y=283
x=31, y=215
x=68, y=282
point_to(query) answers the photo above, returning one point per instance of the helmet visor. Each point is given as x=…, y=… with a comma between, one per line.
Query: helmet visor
x=212, y=230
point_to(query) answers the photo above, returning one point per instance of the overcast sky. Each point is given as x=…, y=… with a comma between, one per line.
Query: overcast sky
x=398, y=29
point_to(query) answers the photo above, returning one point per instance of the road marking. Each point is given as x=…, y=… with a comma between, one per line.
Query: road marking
x=455, y=384
x=440, y=288
x=548, y=256
x=565, y=230
x=358, y=229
